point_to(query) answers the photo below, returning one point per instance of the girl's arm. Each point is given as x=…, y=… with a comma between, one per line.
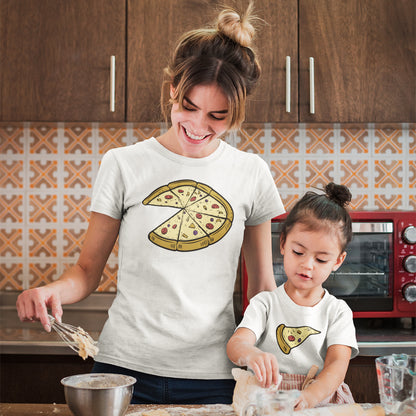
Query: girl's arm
x=242, y=352
x=329, y=379
x=257, y=250
x=78, y=281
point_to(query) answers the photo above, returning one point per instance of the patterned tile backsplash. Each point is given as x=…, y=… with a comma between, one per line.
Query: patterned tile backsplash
x=47, y=171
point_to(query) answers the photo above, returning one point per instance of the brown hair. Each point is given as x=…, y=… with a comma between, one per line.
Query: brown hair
x=323, y=210
x=219, y=55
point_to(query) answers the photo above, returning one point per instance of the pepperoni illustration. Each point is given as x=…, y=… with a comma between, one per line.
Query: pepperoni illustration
x=168, y=196
x=209, y=226
x=174, y=226
x=291, y=338
x=164, y=230
x=199, y=216
x=193, y=198
x=180, y=191
x=215, y=206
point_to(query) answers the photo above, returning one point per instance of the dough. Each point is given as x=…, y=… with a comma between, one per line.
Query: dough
x=246, y=388
x=157, y=412
x=86, y=345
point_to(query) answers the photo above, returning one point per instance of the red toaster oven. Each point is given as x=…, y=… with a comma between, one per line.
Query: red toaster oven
x=378, y=276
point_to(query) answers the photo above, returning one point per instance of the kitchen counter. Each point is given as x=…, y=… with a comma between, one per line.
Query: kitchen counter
x=29, y=409
x=18, y=337
x=384, y=336
x=376, y=337
x=19, y=409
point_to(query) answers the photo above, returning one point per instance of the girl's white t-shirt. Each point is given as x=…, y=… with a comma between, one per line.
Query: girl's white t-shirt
x=299, y=336
x=173, y=312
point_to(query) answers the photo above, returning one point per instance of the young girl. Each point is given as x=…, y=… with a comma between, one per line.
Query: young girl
x=300, y=326
x=182, y=205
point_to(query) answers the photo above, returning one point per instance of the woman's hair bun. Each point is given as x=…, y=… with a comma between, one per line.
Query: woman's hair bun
x=238, y=28
x=338, y=193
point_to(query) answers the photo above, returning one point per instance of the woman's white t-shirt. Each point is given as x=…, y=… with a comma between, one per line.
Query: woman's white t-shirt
x=173, y=313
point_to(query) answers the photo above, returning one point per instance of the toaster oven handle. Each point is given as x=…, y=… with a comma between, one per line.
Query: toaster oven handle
x=357, y=227
x=372, y=227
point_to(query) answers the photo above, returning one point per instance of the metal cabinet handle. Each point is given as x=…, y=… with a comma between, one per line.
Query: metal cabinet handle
x=287, y=84
x=113, y=83
x=311, y=85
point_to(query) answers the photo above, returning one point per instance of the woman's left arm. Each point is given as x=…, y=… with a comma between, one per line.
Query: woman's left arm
x=257, y=250
x=329, y=379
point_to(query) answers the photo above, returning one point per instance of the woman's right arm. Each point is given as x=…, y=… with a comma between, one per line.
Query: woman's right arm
x=77, y=282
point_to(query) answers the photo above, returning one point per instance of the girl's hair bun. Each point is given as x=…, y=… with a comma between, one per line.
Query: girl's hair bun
x=338, y=193
x=238, y=28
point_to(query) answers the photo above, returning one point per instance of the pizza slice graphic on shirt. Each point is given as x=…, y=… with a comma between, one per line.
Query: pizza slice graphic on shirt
x=166, y=235
x=212, y=206
x=204, y=216
x=184, y=190
x=163, y=197
x=290, y=337
x=215, y=227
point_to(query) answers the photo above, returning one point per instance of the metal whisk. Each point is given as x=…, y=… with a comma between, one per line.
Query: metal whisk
x=75, y=337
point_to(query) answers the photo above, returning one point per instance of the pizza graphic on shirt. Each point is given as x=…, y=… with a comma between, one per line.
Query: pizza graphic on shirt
x=202, y=219
x=290, y=337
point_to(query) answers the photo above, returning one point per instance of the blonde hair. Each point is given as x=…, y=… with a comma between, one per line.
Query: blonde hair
x=221, y=55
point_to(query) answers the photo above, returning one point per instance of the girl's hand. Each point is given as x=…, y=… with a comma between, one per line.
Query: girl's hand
x=242, y=351
x=265, y=367
x=32, y=305
x=305, y=401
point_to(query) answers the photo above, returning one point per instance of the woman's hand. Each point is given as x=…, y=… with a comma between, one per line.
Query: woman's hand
x=78, y=281
x=33, y=304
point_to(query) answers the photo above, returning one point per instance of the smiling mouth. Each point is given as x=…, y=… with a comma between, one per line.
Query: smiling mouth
x=194, y=136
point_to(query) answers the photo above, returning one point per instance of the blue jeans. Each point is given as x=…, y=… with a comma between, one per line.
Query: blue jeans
x=151, y=389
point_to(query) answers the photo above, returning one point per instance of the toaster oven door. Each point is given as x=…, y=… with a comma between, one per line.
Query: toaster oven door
x=365, y=279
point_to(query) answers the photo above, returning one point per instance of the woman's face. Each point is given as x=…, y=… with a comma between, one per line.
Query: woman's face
x=203, y=119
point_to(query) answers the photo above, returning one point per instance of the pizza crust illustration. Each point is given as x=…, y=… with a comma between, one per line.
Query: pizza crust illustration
x=290, y=337
x=203, y=216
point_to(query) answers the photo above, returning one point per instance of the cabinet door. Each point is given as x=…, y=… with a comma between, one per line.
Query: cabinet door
x=55, y=57
x=365, y=60
x=277, y=39
x=154, y=27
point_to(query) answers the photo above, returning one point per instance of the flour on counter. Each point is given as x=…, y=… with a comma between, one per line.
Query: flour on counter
x=172, y=410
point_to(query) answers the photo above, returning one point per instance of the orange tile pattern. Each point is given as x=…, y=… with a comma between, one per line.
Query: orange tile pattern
x=47, y=171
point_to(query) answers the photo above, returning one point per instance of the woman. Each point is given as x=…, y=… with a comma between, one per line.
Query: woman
x=182, y=205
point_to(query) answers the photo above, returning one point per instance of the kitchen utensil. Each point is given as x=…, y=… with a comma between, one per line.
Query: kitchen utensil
x=75, y=337
x=272, y=402
x=100, y=394
x=396, y=375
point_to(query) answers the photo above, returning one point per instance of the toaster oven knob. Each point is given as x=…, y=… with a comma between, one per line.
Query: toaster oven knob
x=409, y=264
x=409, y=292
x=409, y=234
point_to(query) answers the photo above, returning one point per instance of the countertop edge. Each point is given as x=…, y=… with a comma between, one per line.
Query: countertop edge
x=60, y=348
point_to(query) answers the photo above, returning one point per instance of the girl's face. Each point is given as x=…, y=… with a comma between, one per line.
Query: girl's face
x=310, y=257
x=203, y=119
